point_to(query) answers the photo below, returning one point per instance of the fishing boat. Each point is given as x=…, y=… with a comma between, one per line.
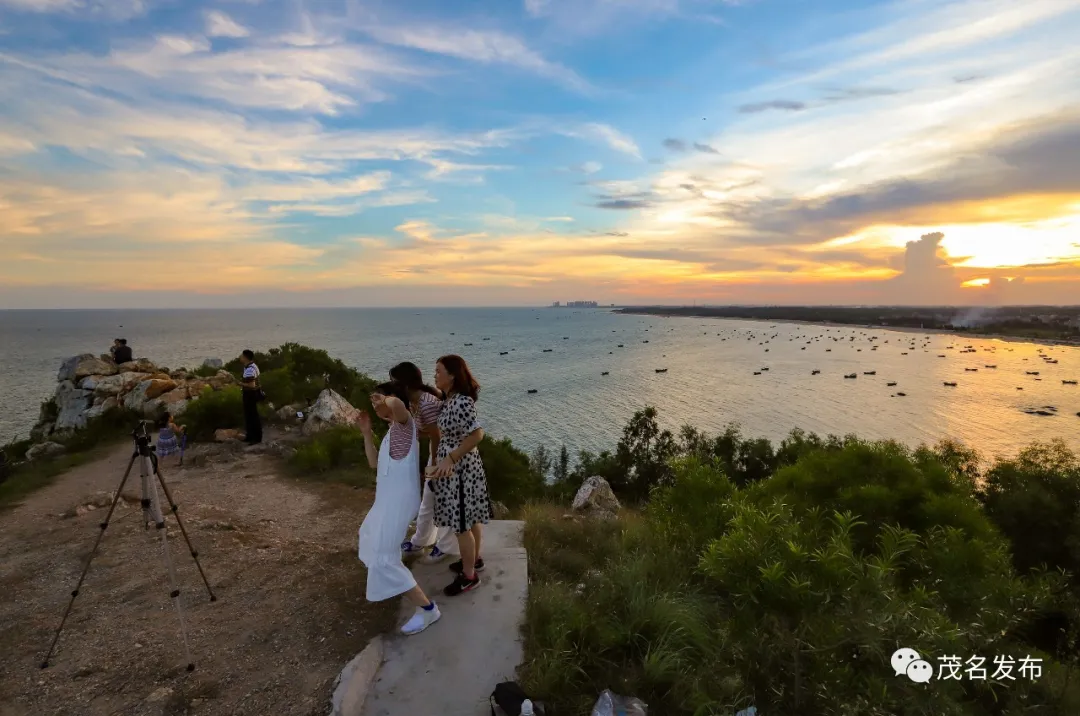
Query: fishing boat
x=604, y=373
x=661, y=370
x=851, y=376
x=547, y=350
x=1068, y=382
x=950, y=385
x=902, y=395
x=816, y=372
x=532, y=390
x=869, y=372
x=504, y=353
x=889, y=385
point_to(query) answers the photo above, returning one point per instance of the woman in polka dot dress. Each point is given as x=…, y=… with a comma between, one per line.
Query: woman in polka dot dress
x=460, y=487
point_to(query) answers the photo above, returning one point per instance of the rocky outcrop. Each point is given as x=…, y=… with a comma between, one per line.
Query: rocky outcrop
x=44, y=450
x=595, y=497
x=329, y=410
x=89, y=386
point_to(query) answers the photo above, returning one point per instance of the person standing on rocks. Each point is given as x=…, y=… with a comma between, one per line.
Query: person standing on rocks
x=252, y=393
x=425, y=404
x=461, y=492
x=397, y=498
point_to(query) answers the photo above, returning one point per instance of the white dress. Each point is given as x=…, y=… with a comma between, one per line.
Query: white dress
x=397, y=498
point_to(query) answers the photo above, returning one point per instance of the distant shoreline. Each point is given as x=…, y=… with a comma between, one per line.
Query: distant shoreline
x=834, y=324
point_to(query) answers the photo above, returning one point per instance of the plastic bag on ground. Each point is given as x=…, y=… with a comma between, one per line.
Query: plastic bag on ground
x=610, y=704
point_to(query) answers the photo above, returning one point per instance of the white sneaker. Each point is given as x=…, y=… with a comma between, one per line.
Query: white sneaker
x=435, y=556
x=421, y=620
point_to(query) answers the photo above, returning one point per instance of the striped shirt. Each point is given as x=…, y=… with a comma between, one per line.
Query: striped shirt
x=400, y=437
x=428, y=412
x=251, y=372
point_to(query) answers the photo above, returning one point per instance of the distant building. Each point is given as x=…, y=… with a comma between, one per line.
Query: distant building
x=555, y=304
x=581, y=304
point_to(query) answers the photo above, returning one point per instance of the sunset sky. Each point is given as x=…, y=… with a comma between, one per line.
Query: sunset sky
x=511, y=152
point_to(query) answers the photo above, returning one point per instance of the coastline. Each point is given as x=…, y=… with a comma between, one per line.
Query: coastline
x=898, y=329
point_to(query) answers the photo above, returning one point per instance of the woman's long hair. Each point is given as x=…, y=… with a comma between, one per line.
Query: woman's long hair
x=464, y=383
x=395, y=388
x=409, y=375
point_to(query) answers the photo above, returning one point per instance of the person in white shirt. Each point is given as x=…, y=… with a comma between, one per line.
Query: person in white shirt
x=252, y=396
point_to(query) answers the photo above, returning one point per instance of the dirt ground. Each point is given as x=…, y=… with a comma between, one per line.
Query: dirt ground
x=280, y=555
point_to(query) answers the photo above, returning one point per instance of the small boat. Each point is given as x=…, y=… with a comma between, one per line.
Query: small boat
x=566, y=338
x=1019, y=388
x=604, y=373
x=547, y=350
x=1032, y=372
x=828, y=350
x=903, y=354
x=889, y=385
x=869, y=372
x=486, y=339
x=757, y=372
x=941, y=356
x=852, y=375
x=902, y=395
x=504, y=353
x=532, y=390
x=1068, y=382
x=991, y=366
x=468, y=344
x=644, y=341
x=972, y=370
x=950, y=385
x=816, y=372
x=661, y=370
x=620, y=345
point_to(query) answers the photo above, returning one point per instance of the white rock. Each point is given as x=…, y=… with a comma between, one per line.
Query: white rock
x=101, y=407
x=595, y=494
x=137, y=396
x=329, y=410
x=72, y=404
x=119, y=383
x=42, y=450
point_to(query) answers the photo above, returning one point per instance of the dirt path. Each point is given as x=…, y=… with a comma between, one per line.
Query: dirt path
x=280, y=555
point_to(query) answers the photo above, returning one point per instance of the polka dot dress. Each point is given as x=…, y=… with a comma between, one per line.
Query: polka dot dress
x=461, y=500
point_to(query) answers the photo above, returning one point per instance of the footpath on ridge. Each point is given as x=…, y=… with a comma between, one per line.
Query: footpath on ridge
x=451, y=668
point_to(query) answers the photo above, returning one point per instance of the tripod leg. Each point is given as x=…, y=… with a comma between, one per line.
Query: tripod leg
x=183, y=530
x=86, y=566
x=174, y=593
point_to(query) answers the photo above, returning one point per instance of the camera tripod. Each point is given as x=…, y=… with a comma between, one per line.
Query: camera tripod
x=151, y=507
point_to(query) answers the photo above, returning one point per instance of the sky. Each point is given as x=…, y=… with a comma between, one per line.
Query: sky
x=174, y=153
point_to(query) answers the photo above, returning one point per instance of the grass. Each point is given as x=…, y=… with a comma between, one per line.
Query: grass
x=36, y=475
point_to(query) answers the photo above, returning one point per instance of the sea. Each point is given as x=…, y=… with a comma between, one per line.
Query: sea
x=592, y=368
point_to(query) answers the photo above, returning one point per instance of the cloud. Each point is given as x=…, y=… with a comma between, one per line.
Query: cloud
x=785, y=105
x=218, y=24
x=705, y=148
x=845, y=94
x=605, y=134
x=674, y=145
x=487, y=47
x=624, y=204
x=536, y=8
x=85, y=9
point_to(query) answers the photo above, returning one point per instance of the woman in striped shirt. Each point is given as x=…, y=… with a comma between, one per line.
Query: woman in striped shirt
x=397, y=497
x=426, y=403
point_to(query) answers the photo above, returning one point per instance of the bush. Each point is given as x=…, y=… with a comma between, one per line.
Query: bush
x=214, y=410
x=297, y=374
x=510, y=476
x=335, y=448
x=1034, y=500
x=782, y=596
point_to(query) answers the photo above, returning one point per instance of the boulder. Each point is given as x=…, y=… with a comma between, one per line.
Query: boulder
x=288, y=413
x=135, y=398
x=159, y=387
x=175, y=407
x=67, y=368
x=221, y=435
x=44, y=450
x=153, y=408
x=222, y=380
x=195, y=388
x=139, y=365
x=596, y=497
x=329, y=410
x=86, y=367
x=179, y=375
x=90, y=382
x=213, y=363
x=72, y=404
x=175, y=395
x=117, y=384
x=101, y=405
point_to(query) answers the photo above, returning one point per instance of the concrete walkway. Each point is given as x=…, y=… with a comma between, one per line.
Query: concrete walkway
x=452, y=667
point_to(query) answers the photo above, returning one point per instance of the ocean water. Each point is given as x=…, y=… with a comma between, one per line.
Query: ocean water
x=709, y=381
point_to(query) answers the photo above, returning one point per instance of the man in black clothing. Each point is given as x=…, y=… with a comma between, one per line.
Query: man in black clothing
x=252, y=393
x=121, y=353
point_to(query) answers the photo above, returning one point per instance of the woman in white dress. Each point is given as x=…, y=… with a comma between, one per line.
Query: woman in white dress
x=397, y=498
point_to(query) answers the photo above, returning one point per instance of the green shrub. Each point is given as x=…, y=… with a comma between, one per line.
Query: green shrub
x=783, y=596
x=295, y=373
x=510, y=476
x=214, y=410
x=331, y=449
x=205, y=371
x=1034, y=500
